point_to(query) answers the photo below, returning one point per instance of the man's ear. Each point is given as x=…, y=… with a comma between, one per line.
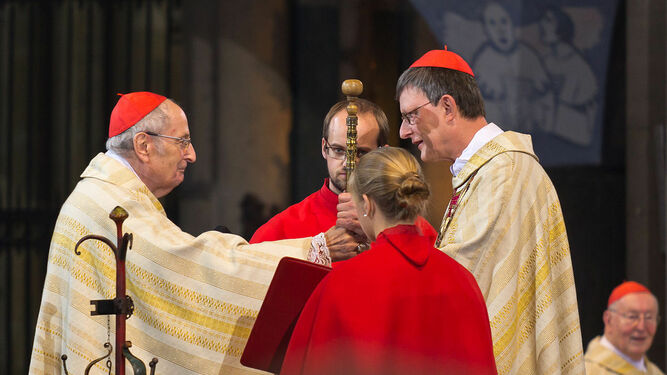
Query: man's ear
x=324, y=151
x=141, y=146
x=606, y=316
x=449, y=106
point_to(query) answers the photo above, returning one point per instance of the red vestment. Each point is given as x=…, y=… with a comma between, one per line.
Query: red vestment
x=313, y=215
x=401, y=307
x=310, y=217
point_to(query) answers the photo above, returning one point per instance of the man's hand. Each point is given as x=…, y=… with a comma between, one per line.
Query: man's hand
x=347, y=216
x=342, y=244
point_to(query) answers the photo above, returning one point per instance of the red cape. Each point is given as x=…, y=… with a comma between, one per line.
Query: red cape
x=313, y=215
x=401, y=307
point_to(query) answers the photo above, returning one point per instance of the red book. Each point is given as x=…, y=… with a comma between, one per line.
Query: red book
x=291, y=286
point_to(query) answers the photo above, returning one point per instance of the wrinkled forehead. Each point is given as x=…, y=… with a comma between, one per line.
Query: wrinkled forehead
x=641, y=302
x=410, y=96
x=177, y=121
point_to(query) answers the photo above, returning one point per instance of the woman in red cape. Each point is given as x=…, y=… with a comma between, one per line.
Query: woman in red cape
x=402, y=307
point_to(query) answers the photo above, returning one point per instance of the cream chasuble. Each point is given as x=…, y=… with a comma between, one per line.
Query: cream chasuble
x=195, y=298
x=504, y=224
x=603, y=361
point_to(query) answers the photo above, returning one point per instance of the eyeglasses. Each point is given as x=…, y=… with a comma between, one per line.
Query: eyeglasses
x=634, y=317
x=183, y=143
x=411, y=116
x=339, y=153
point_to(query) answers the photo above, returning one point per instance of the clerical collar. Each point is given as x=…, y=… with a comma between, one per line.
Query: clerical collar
x=639, y=365
x=112, y=154
x=482, y=137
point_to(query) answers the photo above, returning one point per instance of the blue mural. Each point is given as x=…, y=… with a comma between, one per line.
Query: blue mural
x=541, y=67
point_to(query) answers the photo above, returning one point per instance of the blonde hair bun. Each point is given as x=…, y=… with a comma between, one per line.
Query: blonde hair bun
x=393, y=178
x=412, y=190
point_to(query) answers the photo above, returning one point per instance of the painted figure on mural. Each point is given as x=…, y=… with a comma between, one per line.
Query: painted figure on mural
x=571, y=77
x=512, y=77
x=534, y=64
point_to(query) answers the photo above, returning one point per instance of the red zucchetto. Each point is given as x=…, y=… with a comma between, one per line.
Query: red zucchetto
x=131, y=108
x=440, y=58
x=624, y=289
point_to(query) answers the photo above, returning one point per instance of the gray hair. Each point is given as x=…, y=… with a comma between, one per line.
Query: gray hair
x=435, y=82
x=155, y=122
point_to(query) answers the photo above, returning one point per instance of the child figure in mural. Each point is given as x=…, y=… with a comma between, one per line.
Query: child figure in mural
x=533, y=77
x=514, y=82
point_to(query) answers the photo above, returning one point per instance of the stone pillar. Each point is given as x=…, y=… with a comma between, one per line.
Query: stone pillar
x=646, y=72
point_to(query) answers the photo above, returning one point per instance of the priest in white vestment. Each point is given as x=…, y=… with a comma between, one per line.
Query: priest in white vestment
x=504, y=221
x=630, y=322
x=195, y=298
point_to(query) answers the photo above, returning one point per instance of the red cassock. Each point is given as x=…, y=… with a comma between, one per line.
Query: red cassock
x=402, y=307
x=310, y=217
x=313, y=215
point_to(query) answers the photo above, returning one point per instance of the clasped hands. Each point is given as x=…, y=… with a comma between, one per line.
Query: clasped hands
x=345, y=239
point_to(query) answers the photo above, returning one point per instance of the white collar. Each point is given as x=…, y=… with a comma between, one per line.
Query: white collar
x=639, y=365
x=112, y=154
x=482, y=137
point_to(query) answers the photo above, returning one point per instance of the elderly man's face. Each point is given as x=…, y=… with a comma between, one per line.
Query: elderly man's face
x=168, y=166
x=428, y=133
x=630, y=323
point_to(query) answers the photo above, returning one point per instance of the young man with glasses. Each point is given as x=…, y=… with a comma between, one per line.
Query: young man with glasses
x=630, y=322
x=331, y=207
x=317, y=212
x=503, y=222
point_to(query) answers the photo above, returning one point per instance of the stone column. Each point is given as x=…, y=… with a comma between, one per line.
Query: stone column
x=646, y=103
